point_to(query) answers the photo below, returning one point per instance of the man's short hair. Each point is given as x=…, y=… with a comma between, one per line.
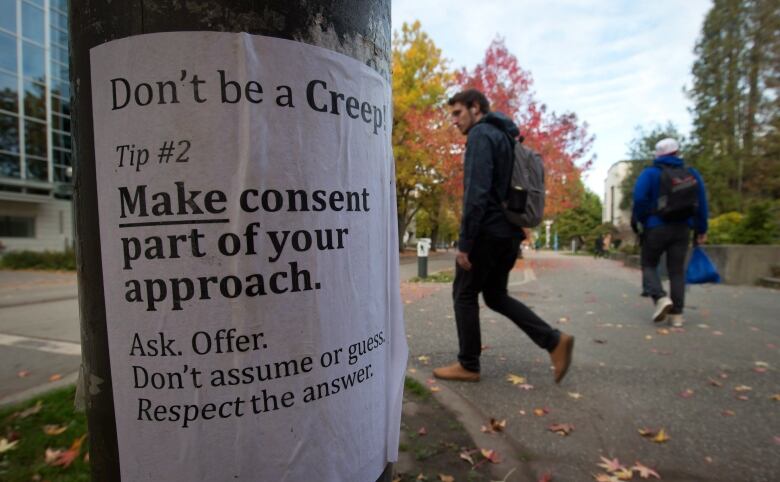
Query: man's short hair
x=470, y=98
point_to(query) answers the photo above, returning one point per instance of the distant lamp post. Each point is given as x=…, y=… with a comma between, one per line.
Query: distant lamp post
x=547, y=224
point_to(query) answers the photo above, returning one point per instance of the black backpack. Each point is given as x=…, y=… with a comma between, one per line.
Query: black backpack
x=524, y=204
x=678, y=194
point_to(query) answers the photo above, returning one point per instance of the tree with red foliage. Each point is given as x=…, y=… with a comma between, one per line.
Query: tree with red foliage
x=562, y=141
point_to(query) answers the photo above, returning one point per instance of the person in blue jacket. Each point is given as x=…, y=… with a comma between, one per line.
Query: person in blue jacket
x=664, y=236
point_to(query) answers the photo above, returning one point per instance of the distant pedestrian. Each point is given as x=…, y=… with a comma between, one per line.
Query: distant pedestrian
x=488, y=243
x=669, y=200
x=598, y=247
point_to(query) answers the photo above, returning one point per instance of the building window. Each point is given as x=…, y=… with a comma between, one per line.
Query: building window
x=8, y=15
x=9, y=165
x=17, y=227
x=9, y=92
x=9, y=133
x=32, y=23
x=7, y=52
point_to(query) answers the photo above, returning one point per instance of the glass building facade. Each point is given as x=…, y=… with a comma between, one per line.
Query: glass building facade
x=35, y=145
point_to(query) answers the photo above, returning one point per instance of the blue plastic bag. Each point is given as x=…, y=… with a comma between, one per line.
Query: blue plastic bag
x=700, y=268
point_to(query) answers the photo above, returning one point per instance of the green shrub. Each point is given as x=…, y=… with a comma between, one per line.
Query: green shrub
x=50, y=260
x=724, y=229
x=758, y=226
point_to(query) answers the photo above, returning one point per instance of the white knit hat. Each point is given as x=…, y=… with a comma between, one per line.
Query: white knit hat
x=666, y=146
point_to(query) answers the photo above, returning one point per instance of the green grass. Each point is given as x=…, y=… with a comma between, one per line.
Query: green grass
x=413, y=386
x=441, y=277
x=25, y=462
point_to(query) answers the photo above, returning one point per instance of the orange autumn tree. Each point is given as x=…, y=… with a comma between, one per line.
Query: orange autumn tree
x=420, y=133
x=562, y=140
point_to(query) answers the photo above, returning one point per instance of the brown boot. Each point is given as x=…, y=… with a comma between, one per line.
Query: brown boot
x=456, y=372
x=561, y=356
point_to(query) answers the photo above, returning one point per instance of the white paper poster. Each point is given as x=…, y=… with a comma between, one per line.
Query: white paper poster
x=247, y=223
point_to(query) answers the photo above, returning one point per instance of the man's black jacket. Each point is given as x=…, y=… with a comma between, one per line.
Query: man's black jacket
x=487, y=172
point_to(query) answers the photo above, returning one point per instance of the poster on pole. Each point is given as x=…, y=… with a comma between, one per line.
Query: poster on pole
x=246, y=200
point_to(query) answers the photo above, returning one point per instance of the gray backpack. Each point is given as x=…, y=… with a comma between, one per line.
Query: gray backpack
x=524, y=204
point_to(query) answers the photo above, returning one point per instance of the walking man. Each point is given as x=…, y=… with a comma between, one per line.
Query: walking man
x=488, y=243
x=669, y=201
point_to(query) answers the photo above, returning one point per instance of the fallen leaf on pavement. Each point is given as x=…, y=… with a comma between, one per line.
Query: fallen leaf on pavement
x=648, y=337
x=23, y=373
x=776, y=397
x=446, y=478
x=624, y=474
x=435, y=389
x=662, y=331
x=55, y=377
x=742, y=388
x=708, y=459
x=491, y=456
x=515, y=379
x=645, y=472
x=612, y=465
x=466, y=455
x=5, y=445
x=562, y=429
x=714, y=382
x=412, y=370
x=525, y=386
x=717, y=333
x=728, y=413
x=54, y=429
x=657, y=436
x=744, y=398
x=541, y=412
x=424, y=359
x=575, y=395
x=563, y=320
x=661, y=437
x=687, y=393
x=497, y=425
x=605, y=478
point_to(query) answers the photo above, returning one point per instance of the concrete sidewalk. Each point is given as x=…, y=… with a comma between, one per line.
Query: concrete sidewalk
x=710, y=386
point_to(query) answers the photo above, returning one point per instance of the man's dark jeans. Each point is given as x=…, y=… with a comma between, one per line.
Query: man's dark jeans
x=671, y=239
x=491, y=261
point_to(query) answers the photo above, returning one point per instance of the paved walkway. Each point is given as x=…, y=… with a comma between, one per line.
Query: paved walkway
x=710, y=386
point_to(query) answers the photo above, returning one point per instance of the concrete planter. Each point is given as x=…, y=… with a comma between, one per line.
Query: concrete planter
x=744, y=264
x=737, y=264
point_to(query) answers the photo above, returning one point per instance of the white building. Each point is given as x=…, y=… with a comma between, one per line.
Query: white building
x=36, y=162
x=613, y=196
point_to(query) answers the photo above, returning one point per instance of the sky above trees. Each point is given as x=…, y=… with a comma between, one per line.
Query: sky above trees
x=615, y=64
